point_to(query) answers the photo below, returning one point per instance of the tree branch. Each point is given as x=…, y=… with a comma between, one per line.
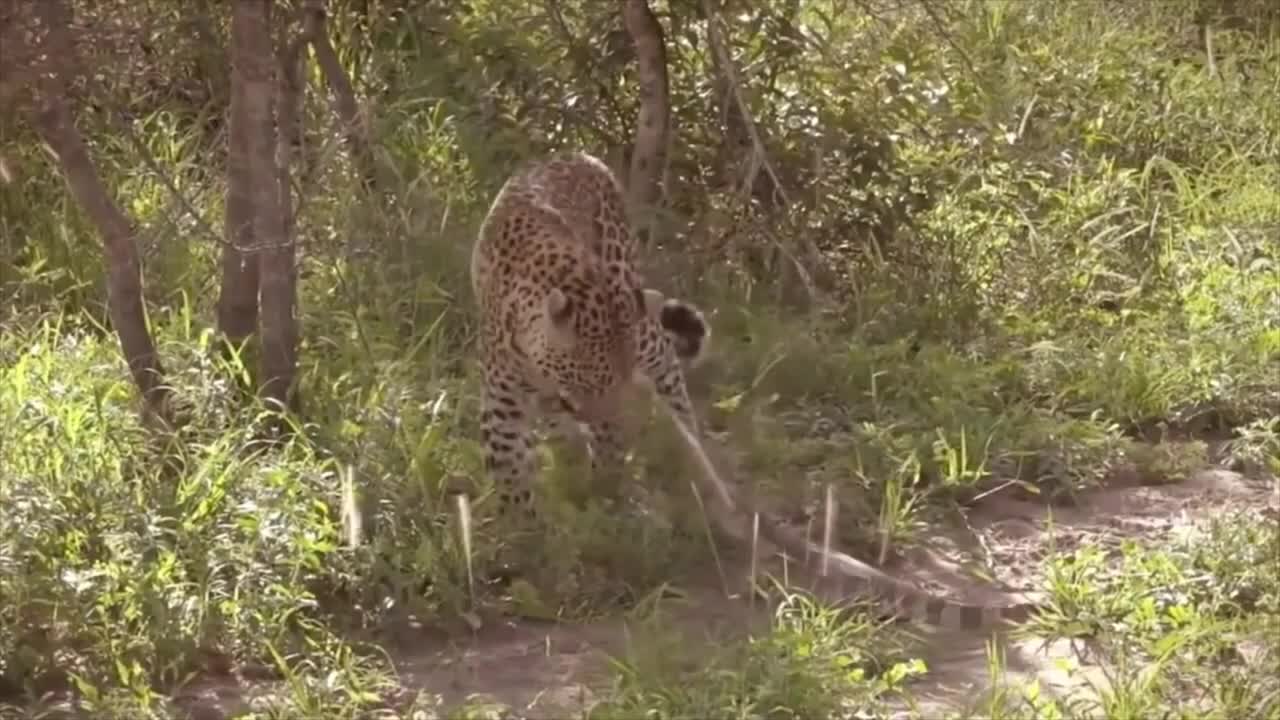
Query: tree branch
x=354, y=128
x=759, y=157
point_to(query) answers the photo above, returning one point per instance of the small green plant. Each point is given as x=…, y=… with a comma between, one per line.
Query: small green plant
x=1168, y=462
x=812, y=662
x=1256, y=447
x=1193, y=613
x=899, y=507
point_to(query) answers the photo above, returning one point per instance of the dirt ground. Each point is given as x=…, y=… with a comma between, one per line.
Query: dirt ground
x=551, y=670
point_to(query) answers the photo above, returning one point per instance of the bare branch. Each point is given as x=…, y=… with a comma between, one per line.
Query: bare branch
x=353, y=123
x=759, y=158
x=941, y=28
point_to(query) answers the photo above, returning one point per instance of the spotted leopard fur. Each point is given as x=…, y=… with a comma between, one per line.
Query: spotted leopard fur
x=566, y=322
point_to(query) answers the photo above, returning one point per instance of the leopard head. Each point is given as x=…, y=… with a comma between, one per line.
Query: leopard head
x=582, y=341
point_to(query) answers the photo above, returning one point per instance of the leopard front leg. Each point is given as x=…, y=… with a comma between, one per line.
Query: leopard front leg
x=558, y=422
x=506, y=431
x=659, y=363
x=607, y=448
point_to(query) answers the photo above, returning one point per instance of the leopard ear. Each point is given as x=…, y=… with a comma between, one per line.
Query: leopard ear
x=651, y=302
x=559, y=308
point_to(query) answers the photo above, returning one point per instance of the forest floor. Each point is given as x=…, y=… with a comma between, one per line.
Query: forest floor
x=538, y=669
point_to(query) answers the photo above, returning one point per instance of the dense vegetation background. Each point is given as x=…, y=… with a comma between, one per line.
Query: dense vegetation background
x=946, y=246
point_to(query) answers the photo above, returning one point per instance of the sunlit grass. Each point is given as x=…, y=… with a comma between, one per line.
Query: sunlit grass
x=1096, y=263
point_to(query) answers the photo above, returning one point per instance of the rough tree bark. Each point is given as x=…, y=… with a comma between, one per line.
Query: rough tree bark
x=649, y=156
x=278, y=263
x=256, y=66
x=55, y=121
x=345, y=106
x=238, y=296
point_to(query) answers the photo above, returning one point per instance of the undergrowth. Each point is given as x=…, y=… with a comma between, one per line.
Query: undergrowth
x=809, y=662
x=1185, y=628
x=1087, y=283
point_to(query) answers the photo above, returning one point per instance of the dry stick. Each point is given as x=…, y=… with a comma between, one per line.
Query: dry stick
x=464, y=529
x=786, y=570
x=1026, y=116
x=808, y=534
x=352, y=518
x=755, y=553
x=1212, y=64
x=828, y=528
x=711, y=541
x=1002, y=486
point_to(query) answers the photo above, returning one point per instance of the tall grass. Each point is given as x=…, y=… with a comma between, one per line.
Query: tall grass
x=1095, y=263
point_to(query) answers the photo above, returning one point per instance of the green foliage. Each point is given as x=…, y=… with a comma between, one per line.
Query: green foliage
x=811, y=662
x=1198, y=613
x=128, y=553
x=1037, y=228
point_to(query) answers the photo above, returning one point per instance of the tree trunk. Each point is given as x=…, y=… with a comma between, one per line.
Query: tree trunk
x=256, y=65
x=238, y=297
x=55, y=121
x=278, y=263
x=649, y=155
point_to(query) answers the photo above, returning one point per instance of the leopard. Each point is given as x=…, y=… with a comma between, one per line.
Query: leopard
x=567, y=323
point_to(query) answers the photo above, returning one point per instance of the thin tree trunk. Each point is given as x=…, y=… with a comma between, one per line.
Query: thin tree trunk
x=238, y=296
x=278, y=263
x=344, y=94
x=648, y=157
x=55, y=121
x=256, y=69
